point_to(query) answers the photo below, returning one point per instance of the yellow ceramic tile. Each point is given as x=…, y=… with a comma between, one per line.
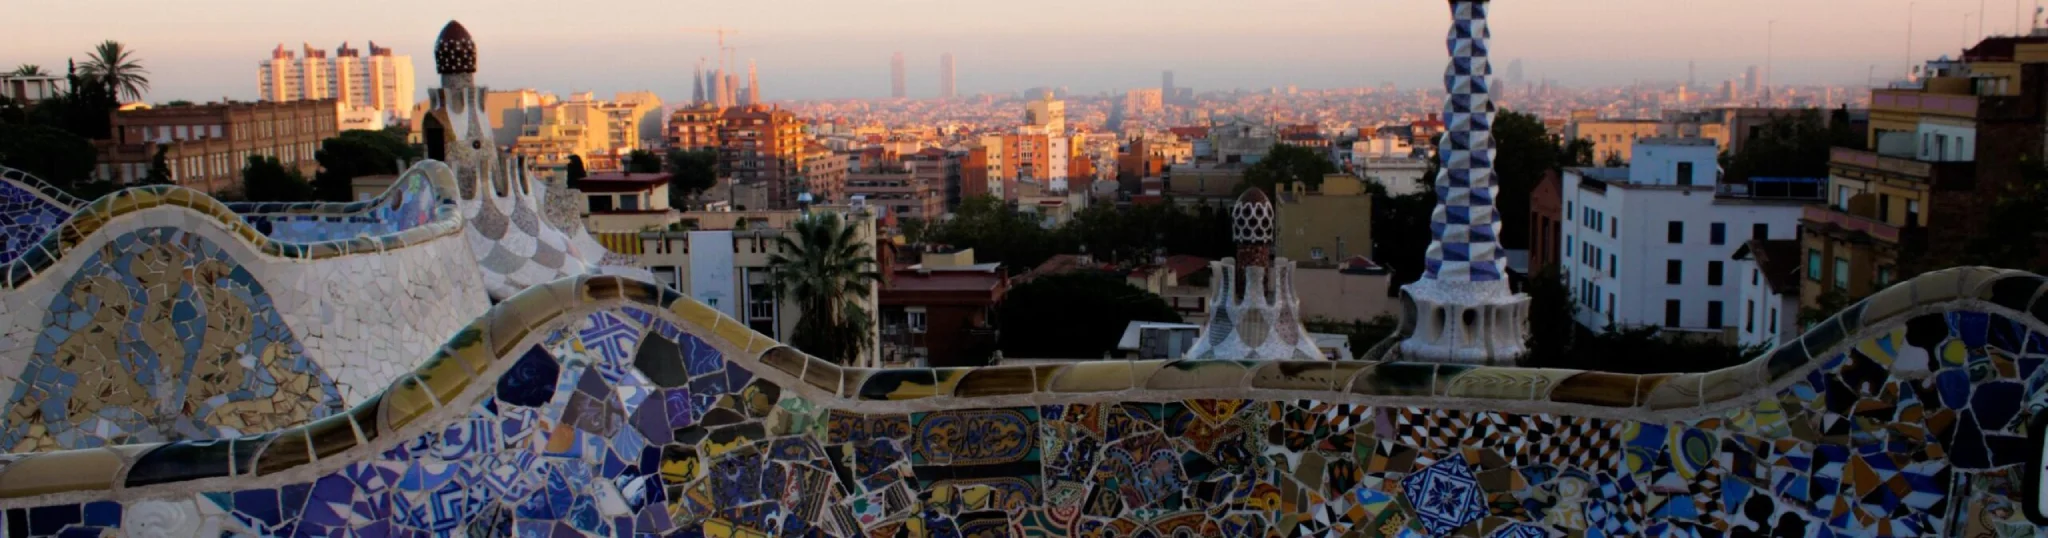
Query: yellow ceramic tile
x=1506, y=383
x=1104, y=376
x=405, y=401
x=290, y=449
x=56, y=472
x=1178, y=375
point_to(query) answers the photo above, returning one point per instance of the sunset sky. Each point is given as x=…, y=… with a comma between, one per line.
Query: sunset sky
x=207, y=49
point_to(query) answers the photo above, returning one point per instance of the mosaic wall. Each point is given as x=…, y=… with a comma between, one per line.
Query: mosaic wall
x=602, y=407
x=157, y=314
x=161, y=336
x=409, y=203
x=521, y=239
x=29, y=208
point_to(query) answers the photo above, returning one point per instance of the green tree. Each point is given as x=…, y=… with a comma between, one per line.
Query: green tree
x=1551, y=315
x=1287, y=164
x=574, y=172
x=1792, y=145
x=176, y=102
x=56, y=156
x=264, y=179
x=822, y=266
x=1078, y=315
x=356, y=153
x=86, y=109
x=2015, y=232
x=997, y=233
x=1576, y=152
x=159, y=168
x=690, y=174
x=112, y=64
x=29, y=70
x=641, y=161
x=1526, y=151
x=912, y=228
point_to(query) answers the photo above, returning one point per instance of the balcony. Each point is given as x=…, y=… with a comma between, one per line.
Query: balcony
x=1867, y=165
x=1920, y=102
x=1832, y=221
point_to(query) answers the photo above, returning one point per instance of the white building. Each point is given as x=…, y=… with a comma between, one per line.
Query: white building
x=1048, y=113
x=1400, y=175
x=381, y=81
x=1650, y=244
x=1768, y=272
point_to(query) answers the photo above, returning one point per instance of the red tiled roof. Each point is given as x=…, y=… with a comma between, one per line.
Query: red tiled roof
x=1189, y=132
x=1186, y=264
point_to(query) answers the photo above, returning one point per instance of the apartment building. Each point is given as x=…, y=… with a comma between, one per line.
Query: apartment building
x=207, y=145
x=381, y=81
x=1325, y=226
x=1649, y=244
x=900, y=192
x=694, y=127
x=1938, y=153
x=764, y=147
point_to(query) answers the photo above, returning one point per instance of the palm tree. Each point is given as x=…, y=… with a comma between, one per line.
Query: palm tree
x=823, y=266
x=110, y=62
x=29, y=70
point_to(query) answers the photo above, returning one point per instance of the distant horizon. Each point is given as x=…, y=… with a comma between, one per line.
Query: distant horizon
x=841, y=50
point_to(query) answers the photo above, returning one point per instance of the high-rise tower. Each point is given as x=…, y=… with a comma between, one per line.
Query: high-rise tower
x=946, y=88
x=1462, y=310
x=896, y=89
x=753, y=84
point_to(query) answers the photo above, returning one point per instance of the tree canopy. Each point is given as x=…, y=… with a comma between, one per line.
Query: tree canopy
x=1526, y=151
x=53, y=155
x=264, y=179
x=574, y=172
x=1556, y=340
x=114, y=66
x=999, y=233
x=1792, y=145
x=1078, y=315
x=641, y=161
x=690, y=173
x=356, y=153
x=821, y=266
x=1287, y=164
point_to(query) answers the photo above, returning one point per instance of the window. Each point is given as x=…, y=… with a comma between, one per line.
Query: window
x=1713, y=314
x=1841, y=273
x=1671, y=313
x=915, y=320
x=1315, y=253
x=1749, y=318
x=1717, y=233
x=1567, y=245
x=1756, y=277
x=1614, y=227
x=1610, y=307
x=1760, y=231
x=1842, y=198
x=1773, y=328
x=1813, y=264
x=1674, y=233
x=1912, y=213
x=1674, y=272
x=600, y=204
x=1714, y=273
x=1685, y=173
x=1884, y=276
x=1568, y=207
x=630, y=202
x=1613, y=261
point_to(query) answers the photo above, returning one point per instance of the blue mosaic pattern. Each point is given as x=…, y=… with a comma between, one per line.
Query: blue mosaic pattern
x=408, y=204
x=1464, y=229
x=161, y=335
x=624, y=425
x=25, y=214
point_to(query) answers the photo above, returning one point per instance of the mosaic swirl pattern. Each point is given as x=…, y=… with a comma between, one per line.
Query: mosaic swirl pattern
x=409, y=203
x=162, y=336
x=604, y=407
x=29, y=208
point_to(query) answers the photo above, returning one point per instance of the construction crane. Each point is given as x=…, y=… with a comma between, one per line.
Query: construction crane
x=726, y=60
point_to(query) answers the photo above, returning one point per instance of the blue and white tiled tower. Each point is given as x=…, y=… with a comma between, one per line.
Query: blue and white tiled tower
x=1462, y=310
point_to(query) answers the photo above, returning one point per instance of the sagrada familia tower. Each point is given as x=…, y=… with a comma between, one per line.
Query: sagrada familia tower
x=1462, y=310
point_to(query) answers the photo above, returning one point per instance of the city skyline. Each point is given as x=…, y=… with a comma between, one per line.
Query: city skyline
x=833, y=51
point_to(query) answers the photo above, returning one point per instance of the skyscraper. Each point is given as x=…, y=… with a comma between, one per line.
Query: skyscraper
x=381, y=80
x=896, y=76
x=753, y=85
x=697, y=84
x=946, y=76
x=1749, y=81
x=1166, y=84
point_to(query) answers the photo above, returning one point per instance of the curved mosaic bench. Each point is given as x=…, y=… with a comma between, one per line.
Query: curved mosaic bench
x=601, y=406
x=158, y=313
x=29, y=208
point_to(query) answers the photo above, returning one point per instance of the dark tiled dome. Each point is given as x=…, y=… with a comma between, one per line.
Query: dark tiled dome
x=454, y=52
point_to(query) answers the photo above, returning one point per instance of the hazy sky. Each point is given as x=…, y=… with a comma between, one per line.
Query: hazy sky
x=206, y=49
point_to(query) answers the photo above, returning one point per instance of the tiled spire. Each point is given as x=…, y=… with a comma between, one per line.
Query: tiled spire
x=1465, y=228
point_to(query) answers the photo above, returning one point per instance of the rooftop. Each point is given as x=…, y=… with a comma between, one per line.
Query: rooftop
x=1674, y=141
